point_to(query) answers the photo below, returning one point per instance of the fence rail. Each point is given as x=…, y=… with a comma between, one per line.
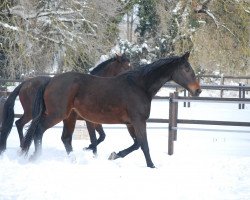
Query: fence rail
x=174, y=120
x=222, y=76
x=212, y=100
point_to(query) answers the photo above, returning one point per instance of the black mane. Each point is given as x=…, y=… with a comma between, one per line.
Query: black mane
x=101, y=66
x=147, y=69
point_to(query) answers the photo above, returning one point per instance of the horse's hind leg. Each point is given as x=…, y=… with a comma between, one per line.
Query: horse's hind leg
x=20, y=124
x=93, y=140
x=102, y=135
x=99, y=129
x=37, y=128
x=130, y=149
x=68, y=129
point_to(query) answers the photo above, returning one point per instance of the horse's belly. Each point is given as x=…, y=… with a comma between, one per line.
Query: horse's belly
x=103, y=118
x=103, y=114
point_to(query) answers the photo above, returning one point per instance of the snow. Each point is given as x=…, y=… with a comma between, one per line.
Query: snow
x=14, y=28
x=177, y=8
x=210, y=165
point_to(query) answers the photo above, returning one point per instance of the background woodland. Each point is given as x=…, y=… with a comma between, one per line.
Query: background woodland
x=38, y=36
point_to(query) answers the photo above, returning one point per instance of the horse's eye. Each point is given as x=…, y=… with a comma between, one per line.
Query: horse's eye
x=187, y=68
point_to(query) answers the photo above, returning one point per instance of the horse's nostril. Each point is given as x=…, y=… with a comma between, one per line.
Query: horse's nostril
x=198, y=91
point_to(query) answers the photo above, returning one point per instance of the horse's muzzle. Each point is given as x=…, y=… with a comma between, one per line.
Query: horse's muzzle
x=197, y=92
x=194, y=89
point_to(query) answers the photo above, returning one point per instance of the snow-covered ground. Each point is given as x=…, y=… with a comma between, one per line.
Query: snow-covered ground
x=212, y=165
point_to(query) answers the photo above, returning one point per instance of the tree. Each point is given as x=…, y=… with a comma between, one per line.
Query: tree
x=148, y=19
x=57, y=35
x=217, y=32
x=222, y=41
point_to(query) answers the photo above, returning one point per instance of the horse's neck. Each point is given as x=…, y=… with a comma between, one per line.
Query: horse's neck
x=156, y=79
x=110, y=71
x=103, y=72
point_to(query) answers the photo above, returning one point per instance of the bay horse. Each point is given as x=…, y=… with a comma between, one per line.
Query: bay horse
x=123, y=99
x=27, y=91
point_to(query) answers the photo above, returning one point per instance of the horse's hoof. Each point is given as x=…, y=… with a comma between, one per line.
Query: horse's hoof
x=32, y=158
x=151, y=166
x=22, y=153
x=72, y=157
x=113, y=156
x=2, y=149
x=88, y=149
x=85, y=149
x=1, y=152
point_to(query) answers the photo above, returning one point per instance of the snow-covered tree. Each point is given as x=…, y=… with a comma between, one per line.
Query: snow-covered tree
x=64, y=34
x=217, y=32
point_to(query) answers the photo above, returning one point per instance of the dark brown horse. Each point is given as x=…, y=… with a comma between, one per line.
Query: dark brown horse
x=26, y=91
x=123, y=99
x=28, y=88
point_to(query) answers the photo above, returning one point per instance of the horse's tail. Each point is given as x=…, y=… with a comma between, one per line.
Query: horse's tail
x=37, y=113
x=8, y=116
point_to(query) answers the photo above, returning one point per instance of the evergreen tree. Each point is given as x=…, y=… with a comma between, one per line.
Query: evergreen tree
x=148, y=19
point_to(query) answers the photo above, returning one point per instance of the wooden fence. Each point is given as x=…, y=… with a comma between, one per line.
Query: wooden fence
x=174, y=120
x=241, y=89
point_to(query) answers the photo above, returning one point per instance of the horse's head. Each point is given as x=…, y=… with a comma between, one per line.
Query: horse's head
x=123, y=62
x=112, y=66
x=184, y=75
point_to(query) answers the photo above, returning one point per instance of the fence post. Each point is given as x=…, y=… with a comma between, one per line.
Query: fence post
x=185, y=95
x=222, y=79
x=175, y=114
x=3, y=91
x=243, y=95
x=188, y=103
x=240, y=94
x=173, y=111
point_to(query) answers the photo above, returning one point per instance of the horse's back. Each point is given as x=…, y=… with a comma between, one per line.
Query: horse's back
x=66, y=80
x=61, y=91
x=29, y=89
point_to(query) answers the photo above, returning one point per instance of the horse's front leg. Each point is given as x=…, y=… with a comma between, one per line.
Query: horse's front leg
x=139, y=134
x=128, y=150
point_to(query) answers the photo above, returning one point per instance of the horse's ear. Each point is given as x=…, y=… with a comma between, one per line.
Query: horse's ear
x=186, y=55
x=118, y=57
x=124, y=56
